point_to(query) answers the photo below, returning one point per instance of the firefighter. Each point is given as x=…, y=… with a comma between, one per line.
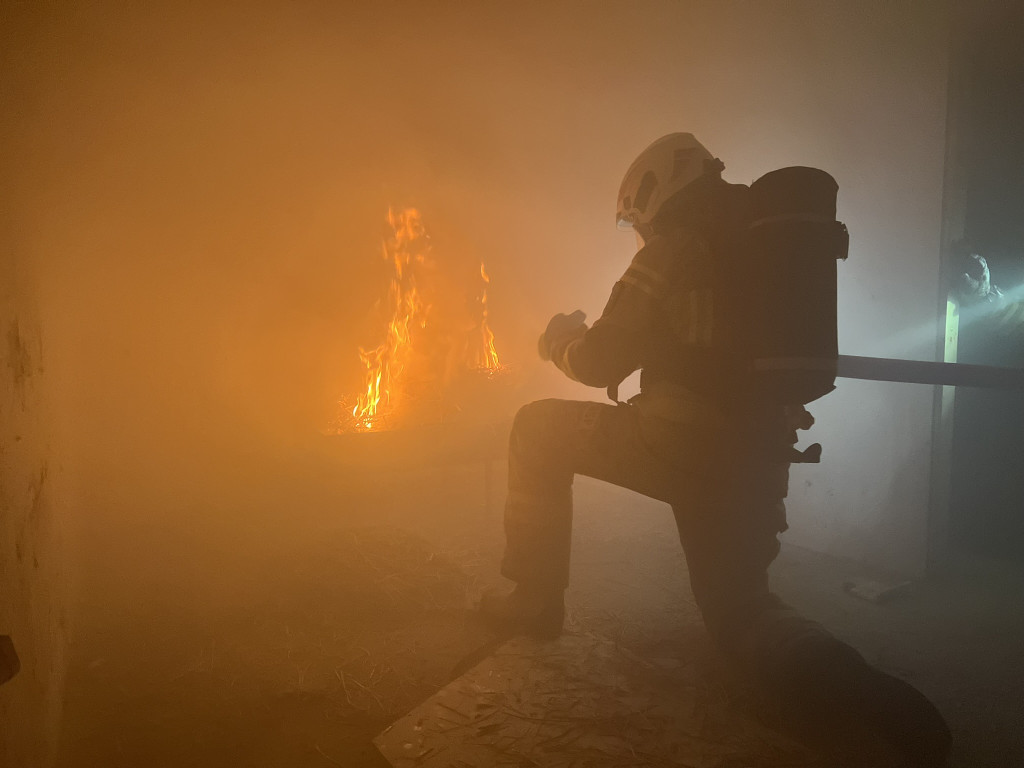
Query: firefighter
x=721, y=462
x=1002, y=313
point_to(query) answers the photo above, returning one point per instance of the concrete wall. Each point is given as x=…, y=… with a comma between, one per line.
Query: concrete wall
x=32, y=565
x=869, y=499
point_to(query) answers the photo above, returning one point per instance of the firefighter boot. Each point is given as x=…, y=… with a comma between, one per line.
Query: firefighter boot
x=906, y=719
x=834, y=682
x=532, y=611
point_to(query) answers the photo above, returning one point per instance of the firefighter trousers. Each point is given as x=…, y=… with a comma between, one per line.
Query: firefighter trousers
x=727, y=502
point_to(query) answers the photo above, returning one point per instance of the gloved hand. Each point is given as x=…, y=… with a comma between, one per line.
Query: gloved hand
x=561, y=328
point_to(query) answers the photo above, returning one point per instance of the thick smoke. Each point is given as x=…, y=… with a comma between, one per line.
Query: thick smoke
x=202, y=191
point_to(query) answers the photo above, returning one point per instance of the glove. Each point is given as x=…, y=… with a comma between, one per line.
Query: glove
x=561, y=328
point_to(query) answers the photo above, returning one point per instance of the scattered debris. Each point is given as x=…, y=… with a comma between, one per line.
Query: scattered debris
x=876, y=591
x=582, y=701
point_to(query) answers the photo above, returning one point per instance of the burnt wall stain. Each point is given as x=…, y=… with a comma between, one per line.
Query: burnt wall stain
x=31, y=573
x=19, y=361
x=37, y=512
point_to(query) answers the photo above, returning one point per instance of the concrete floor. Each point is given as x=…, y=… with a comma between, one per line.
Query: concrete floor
x=290, y=630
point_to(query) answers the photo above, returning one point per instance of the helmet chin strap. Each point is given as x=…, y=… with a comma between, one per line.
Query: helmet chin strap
x=643, y=233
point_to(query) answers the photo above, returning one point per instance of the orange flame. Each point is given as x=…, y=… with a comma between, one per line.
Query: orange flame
x=407, y=247
x=385, y=364
x=488, y=356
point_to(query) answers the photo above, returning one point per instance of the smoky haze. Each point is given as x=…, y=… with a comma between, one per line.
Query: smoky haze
x=200, y=192
x=204, y=189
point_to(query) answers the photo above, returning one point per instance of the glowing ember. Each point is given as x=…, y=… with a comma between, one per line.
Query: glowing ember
x=437, y=329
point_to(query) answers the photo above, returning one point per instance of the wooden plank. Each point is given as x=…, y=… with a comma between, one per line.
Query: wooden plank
x=584, y=701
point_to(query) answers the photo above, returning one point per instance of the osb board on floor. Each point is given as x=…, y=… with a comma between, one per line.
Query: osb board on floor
x=582, y=701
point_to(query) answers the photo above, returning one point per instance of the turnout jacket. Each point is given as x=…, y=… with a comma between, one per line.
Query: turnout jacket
x=657, y=319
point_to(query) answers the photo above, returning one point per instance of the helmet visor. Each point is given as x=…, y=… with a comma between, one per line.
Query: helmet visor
x=623, y=221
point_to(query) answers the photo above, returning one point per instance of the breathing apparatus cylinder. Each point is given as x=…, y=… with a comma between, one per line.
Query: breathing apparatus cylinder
x=791, y=247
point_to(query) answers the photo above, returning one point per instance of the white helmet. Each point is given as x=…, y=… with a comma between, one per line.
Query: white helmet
x=661, y=170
